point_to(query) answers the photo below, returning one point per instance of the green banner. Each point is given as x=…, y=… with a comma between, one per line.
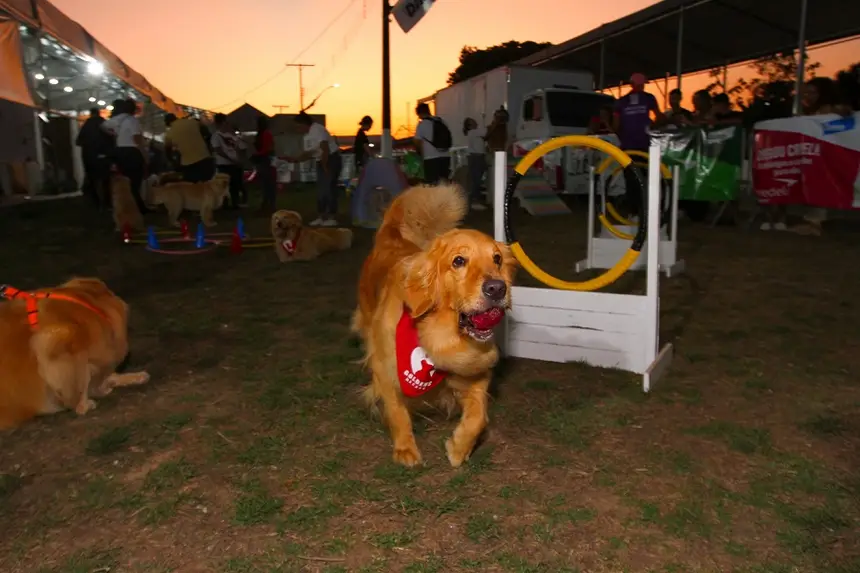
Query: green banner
x=709, y=160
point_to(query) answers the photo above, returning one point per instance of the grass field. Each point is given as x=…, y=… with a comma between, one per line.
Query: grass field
x=250, y=451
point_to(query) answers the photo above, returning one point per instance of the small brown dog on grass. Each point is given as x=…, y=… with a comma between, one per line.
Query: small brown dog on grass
x=204, y=197
x=125, y=211
x=293, y=242
x=60, y=349
x=429, y=297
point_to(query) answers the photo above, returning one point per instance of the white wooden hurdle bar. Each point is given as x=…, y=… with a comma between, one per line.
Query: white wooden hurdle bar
x=601, y=329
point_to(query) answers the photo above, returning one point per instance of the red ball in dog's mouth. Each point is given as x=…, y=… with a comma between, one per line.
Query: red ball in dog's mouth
x=481, y=324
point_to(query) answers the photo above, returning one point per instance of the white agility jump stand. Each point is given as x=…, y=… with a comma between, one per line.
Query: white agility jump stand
x=605, y=250
x=601, y=329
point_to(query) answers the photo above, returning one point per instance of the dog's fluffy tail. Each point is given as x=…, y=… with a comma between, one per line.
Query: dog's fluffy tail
x=423, y=213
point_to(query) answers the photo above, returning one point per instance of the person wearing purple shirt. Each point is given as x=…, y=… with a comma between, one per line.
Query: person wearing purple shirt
x=632, y=120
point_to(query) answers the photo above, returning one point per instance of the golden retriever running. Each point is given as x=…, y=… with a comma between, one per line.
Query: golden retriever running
x=60, y=348
x=294, y=242
x=429, y=297
x=203, y=197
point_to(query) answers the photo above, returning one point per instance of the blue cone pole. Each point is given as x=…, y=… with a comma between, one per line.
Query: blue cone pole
x=240, y=228
x=201, y=239
x=151, y=239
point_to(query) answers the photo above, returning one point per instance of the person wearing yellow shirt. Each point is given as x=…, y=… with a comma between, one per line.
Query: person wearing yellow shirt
x=185, y=135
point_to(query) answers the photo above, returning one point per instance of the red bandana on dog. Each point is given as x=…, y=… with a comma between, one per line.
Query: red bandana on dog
x=290, y=245
x=416, y=371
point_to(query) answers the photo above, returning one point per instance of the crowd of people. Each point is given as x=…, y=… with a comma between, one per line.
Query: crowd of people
x=189, y=149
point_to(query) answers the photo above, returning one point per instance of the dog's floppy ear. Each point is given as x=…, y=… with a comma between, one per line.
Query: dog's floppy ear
x=509, y=262
x=421, y=284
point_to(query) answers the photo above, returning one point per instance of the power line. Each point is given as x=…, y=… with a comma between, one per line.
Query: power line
x=349, y=38
x=328, y=27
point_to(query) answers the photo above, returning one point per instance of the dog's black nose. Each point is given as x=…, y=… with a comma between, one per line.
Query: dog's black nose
x=494, y=289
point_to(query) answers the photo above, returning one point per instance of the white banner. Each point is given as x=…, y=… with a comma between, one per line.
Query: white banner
x=409, y=12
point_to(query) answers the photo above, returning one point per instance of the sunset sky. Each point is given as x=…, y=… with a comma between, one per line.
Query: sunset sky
x=214, y=54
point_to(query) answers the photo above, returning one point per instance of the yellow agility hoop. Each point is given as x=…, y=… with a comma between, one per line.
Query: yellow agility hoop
x=520, y=170
x=665, y=173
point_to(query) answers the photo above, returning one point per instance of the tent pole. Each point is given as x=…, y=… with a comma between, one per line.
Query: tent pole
x=679, y=48
x=385, y=143
x=37, y=136
x=801, y=58
x=601, y=76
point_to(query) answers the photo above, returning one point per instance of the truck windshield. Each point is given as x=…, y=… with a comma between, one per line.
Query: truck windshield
x=574, y=109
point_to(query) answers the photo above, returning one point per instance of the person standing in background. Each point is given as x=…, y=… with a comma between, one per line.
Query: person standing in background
x=632, y=122
x=361, y=148
x=185, y=135
x=476, y=161
x=96, y=148
x=677, y=115
x=433, y=142
x=130, y=153
x=322, y=147
x=264, y=152
x=227, y=147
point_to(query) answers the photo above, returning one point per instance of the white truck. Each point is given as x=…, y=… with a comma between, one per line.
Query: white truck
x=542, y=104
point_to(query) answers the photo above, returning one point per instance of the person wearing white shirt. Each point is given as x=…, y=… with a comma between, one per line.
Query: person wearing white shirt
x=129, y=154
x=437, y=162
x=321, y=146
x=227, y=146
x=476, y=138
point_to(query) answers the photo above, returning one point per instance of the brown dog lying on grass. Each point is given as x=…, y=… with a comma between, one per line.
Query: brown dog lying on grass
x=294, y=242
x=429, y=297
x=61, y=346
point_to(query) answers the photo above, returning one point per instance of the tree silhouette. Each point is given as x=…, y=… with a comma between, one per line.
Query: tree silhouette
x=848, y=81
x=475, y=61
x=774, y=80
x=769, y=93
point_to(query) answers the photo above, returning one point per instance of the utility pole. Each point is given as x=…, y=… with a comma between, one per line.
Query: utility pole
x=386, y=82
x=280, y=108
x=301, y=84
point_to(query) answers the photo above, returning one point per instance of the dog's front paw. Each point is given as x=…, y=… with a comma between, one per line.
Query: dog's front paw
x=85, y=406
x=408, y=456
x=455, y=455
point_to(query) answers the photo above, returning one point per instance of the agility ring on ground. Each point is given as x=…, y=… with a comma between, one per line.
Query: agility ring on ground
x=167, y=233
x=248, y=242
x=520, y=170
x=208, y=245
x=608, y=207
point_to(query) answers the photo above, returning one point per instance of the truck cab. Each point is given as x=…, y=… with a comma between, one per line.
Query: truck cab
x=552, y=112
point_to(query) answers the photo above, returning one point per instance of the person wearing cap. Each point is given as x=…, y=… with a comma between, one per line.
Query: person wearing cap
x=631, y=122
x=362, y=149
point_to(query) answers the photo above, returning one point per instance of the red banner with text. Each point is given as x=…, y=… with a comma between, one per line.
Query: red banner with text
x=808, y=160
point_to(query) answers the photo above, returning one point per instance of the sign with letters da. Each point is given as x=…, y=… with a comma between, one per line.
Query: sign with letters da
x=409, y=12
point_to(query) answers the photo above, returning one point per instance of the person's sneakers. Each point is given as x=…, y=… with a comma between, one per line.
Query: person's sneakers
x=779, y=227
x=766, y=226
x=316, y=222
x=478, y=207
x=329, y=223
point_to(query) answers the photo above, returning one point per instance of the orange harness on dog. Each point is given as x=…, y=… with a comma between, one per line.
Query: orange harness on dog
x=32, y=300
